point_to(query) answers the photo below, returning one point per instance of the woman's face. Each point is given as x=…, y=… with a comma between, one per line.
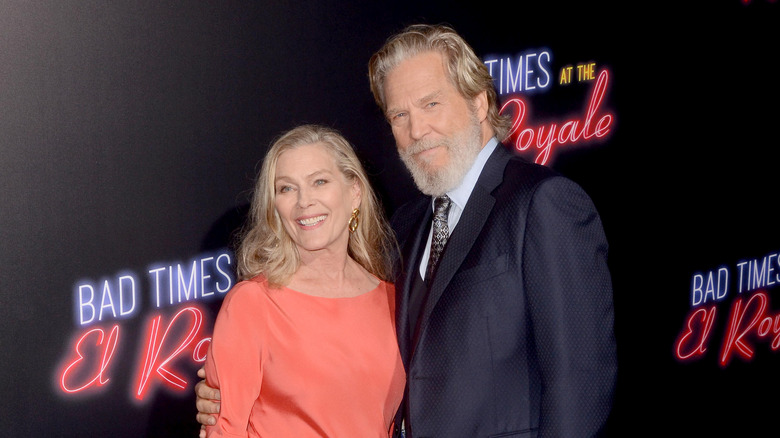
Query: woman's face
x=314, y=199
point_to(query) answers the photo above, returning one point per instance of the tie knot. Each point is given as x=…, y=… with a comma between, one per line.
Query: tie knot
x=441, y=232
x=441, y=206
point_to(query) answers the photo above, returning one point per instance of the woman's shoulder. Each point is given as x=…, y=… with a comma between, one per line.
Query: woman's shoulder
x=253, y=290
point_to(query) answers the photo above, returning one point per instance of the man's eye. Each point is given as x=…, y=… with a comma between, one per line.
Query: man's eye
x=397, y=116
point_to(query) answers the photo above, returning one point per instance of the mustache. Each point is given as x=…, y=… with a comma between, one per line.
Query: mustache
x=423, y=145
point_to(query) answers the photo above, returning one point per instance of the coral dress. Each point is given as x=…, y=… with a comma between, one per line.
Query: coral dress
x=290, y=364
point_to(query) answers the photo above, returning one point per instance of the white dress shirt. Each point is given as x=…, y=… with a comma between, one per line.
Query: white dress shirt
x=459, y=196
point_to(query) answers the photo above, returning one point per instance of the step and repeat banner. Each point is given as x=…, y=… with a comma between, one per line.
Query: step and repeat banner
x=131, y=133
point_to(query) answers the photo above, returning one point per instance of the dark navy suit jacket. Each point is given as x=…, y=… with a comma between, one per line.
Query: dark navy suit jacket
x=515, y=338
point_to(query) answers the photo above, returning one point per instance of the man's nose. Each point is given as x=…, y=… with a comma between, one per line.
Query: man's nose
x=419, y=125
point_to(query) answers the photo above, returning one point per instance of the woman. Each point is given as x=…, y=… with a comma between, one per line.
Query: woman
x=305, y=344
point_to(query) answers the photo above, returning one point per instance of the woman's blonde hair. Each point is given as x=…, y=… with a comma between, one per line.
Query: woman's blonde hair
x=265, y=246
x=466, y=71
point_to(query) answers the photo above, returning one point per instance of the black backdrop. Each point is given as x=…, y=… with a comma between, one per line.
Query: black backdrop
x=130, y=134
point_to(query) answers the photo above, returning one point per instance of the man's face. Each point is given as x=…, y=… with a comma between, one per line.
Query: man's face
x=437, y=131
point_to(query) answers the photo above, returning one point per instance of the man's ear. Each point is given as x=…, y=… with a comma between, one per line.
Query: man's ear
x=480, y=103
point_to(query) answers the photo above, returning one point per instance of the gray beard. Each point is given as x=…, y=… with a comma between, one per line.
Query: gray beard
x=463, y=148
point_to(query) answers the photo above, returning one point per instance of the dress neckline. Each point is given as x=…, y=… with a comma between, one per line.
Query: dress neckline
x=378, y=287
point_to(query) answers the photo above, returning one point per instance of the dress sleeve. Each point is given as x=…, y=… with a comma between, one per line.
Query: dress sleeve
x=570, y=302
x=235, y=359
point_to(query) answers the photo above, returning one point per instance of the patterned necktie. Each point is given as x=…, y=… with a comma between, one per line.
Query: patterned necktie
x=441, y=207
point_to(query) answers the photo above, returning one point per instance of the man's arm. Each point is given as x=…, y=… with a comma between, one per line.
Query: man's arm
x=207, y=402
x=570, y=302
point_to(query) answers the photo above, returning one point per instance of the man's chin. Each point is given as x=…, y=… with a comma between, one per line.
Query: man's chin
x=428, y=177
x=431, y=184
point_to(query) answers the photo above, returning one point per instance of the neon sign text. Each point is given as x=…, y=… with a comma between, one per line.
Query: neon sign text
x=152, y=366
x=170, y=284
x=87, y=367
x=693, y=341
x=713, y=288
x=544, y=138
x=82, y=366
x=179, y=282
x=120, y=295
x=585, y=72
x=749, y=322
x=527, y=72
x=759, y=272
x=749, y=319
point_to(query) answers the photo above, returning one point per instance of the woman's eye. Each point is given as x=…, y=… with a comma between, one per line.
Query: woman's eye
x=320, y=182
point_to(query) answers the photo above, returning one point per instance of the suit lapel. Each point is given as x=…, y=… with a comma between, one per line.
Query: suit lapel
x=411, y=251
x=473, y=218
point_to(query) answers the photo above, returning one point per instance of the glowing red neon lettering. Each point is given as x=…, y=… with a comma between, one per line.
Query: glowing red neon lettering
x=569, y=133
x=155, y=345
x=99, y=378
x=200, y=350
x=699, y=322
x=758, y=322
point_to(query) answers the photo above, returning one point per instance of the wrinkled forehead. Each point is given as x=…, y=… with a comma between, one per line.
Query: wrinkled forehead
x=416, y=76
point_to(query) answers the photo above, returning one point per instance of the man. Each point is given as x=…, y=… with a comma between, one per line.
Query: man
x=504, y=300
